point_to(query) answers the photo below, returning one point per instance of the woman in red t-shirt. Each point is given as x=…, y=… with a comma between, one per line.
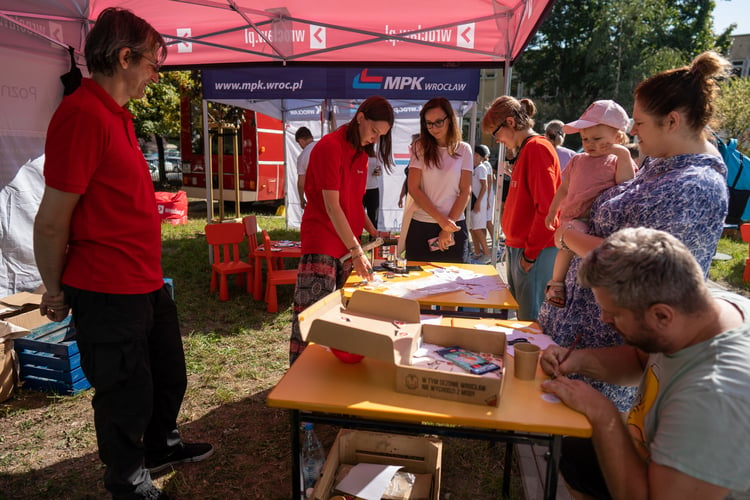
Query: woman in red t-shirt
x=535, y=179
x=334, y=217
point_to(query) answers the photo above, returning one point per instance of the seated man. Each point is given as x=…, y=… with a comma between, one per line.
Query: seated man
x=688, y=434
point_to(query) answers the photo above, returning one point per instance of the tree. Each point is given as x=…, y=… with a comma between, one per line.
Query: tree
x=600, y=49
x=157, y=115
x=734, y=111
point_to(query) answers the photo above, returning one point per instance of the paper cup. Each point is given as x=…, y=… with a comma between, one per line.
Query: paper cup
x=525, y=358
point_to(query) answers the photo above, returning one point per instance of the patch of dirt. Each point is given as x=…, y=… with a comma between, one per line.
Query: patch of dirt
x=49, y=452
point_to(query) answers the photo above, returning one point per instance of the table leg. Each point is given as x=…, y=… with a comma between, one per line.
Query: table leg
x=553, y=464
x=297, y=492
x=508, y=468
x=258, y=279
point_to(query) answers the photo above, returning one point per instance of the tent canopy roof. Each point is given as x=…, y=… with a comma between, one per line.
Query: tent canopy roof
x=211, y=32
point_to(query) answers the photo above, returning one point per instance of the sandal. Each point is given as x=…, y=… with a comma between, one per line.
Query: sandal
x=554, y=294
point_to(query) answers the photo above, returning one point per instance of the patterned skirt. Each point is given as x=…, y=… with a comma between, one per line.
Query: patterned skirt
x=317, y=276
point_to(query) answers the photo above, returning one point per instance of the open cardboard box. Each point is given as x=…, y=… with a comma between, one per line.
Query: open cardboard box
x=418, y=455
x=388, y=328
x=15, y=324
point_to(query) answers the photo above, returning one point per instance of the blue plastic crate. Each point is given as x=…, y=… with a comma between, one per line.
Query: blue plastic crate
x=170, y=286
x=50, y=360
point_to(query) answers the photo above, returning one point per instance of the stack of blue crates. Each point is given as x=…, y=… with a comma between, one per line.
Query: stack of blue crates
x=50, y=360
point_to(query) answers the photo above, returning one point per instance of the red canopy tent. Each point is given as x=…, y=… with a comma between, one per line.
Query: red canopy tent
x=35, y=36
x=209, y=32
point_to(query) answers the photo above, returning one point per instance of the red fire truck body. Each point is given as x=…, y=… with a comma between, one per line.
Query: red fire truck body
x=260, y=169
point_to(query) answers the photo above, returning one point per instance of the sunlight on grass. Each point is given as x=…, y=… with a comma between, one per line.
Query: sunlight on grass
x=729, y=272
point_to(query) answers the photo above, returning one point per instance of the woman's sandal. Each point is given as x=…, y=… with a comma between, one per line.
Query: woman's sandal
x=555, y=293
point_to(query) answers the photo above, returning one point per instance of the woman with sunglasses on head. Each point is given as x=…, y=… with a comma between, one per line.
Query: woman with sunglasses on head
x=439, y=183
x=535, y=179
x=334, y=217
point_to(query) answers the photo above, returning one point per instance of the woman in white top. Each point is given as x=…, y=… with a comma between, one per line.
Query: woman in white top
x=440, y=184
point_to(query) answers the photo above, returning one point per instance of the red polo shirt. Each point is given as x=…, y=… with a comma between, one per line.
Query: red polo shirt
x=336, y=166
x=115, y=233
x=535, y=179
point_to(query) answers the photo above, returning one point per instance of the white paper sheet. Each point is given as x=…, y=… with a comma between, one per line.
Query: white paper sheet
x=368, y=481
x=533, y=335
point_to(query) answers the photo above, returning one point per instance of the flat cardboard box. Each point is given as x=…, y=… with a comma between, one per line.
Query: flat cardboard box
x=387, y=328
x=28, y=321
x=418, y=455
x=19, y=303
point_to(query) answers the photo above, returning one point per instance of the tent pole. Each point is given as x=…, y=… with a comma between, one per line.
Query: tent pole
x=236, y=165
x=472, y=143
x=473, y=128
x=207, y=163
x=286, y=167
x=498, y=212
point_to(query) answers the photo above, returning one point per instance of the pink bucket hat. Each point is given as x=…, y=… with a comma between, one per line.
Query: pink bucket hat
x=604, y=112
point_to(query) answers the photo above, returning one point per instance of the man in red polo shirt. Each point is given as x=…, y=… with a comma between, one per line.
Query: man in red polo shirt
x=97, y=242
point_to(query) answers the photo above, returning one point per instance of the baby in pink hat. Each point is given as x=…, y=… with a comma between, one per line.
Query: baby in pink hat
x=604, y=163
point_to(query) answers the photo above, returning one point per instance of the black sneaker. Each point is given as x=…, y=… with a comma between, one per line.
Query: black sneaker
x=183, y=452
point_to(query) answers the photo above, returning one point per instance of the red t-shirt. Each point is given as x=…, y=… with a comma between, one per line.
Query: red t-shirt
x=336, y=166
x=115, y=233
x=535, y=179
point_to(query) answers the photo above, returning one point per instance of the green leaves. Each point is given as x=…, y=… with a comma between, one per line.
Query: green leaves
x=601, y=49
x=734, y=111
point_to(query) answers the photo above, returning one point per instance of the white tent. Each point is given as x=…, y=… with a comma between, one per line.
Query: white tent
x=35, y=36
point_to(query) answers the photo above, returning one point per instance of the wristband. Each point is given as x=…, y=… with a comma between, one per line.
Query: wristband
x=528, y=261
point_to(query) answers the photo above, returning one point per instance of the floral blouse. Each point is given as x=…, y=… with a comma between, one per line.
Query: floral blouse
x=684, y=195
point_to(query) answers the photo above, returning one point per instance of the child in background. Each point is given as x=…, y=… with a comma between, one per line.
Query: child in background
x=605, y=162
x=480, y=190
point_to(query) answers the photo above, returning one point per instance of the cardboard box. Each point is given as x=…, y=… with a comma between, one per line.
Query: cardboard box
x=418, y=455
x=8, y=369
x=48, y=356
x=21, y=305
x=372, y=324
x=18, y=303
x=388, y=328
x=465, y=387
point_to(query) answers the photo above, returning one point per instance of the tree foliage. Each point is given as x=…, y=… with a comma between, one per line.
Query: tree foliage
x=734, y=111
x=600, y=49
x=157, y=115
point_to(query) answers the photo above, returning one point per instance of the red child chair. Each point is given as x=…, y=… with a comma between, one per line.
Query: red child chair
x=274, y=275
x=225, y=240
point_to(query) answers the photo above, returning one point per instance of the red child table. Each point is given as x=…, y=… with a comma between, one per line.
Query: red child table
x=280, y=248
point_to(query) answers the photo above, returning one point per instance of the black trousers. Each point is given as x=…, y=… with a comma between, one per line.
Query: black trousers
x=131, y=353
x=371, y=202
x=580, y=468
x=418, y=249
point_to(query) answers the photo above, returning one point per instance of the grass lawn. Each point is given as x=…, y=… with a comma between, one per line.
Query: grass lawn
x=236, y=352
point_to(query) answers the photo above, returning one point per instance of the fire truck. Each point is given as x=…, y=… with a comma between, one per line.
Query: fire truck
x=247, y=152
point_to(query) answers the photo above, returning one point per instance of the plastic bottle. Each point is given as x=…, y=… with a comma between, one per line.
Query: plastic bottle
x=313, y=456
